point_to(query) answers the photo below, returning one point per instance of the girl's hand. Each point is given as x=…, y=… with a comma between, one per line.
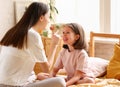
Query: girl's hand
x=42, y=76
x=52, y=74
x=55, y=38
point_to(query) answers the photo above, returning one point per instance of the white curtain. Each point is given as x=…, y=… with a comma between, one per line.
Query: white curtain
x=115, y=16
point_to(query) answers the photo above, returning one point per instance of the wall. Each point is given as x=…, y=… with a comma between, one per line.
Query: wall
x=6, y=16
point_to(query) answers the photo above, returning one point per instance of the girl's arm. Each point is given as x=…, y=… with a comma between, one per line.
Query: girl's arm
x=42, y=76
x=54, y=72
x=75, y=78
x=53, y=48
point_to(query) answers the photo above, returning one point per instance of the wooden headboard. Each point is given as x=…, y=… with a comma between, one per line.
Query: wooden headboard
x=101, y=35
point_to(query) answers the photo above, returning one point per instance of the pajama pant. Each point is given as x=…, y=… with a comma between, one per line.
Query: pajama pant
x=51, y=82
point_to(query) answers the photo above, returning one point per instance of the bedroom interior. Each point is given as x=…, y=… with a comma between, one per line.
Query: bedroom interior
x=102, y=43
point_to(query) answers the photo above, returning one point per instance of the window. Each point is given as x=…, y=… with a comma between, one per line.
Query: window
x=84, y=12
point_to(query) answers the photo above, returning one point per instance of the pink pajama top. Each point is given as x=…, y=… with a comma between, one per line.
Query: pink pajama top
x=72, y=61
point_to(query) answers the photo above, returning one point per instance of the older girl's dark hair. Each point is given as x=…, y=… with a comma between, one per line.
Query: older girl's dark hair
x=81, y=43
x=17, y=35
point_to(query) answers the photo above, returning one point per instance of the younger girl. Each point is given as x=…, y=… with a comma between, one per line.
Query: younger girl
x=73, y=57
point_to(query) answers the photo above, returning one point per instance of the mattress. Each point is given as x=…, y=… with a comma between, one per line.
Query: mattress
x=100, y=83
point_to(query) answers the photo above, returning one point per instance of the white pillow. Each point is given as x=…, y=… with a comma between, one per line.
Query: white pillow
x=98, y=66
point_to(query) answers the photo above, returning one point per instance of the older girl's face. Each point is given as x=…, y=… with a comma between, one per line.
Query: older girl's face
x=44, y=20
x=69, y=37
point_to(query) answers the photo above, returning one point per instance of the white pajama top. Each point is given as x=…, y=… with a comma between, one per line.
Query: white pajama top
x=16, y=65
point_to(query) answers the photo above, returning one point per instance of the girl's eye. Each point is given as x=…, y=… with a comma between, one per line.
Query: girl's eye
x=66, y=32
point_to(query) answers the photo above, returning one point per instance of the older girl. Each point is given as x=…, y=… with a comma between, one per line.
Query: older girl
x=22, y=47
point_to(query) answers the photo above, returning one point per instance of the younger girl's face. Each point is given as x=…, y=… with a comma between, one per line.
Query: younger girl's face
x=69, y=37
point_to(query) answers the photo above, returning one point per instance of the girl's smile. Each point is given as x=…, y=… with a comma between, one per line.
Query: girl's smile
x=69, y=36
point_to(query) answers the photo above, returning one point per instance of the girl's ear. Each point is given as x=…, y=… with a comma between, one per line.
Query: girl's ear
x=77, y=37
x=41, y=18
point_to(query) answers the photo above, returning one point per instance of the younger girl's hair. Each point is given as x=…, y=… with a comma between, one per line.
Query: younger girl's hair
x=81, y=43
x=17, y=35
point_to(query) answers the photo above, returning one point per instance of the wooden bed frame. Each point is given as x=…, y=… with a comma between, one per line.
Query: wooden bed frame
x=101, y=35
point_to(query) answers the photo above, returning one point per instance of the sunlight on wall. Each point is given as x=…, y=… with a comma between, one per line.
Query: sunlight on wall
x=115, y=16
x=85, y=12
